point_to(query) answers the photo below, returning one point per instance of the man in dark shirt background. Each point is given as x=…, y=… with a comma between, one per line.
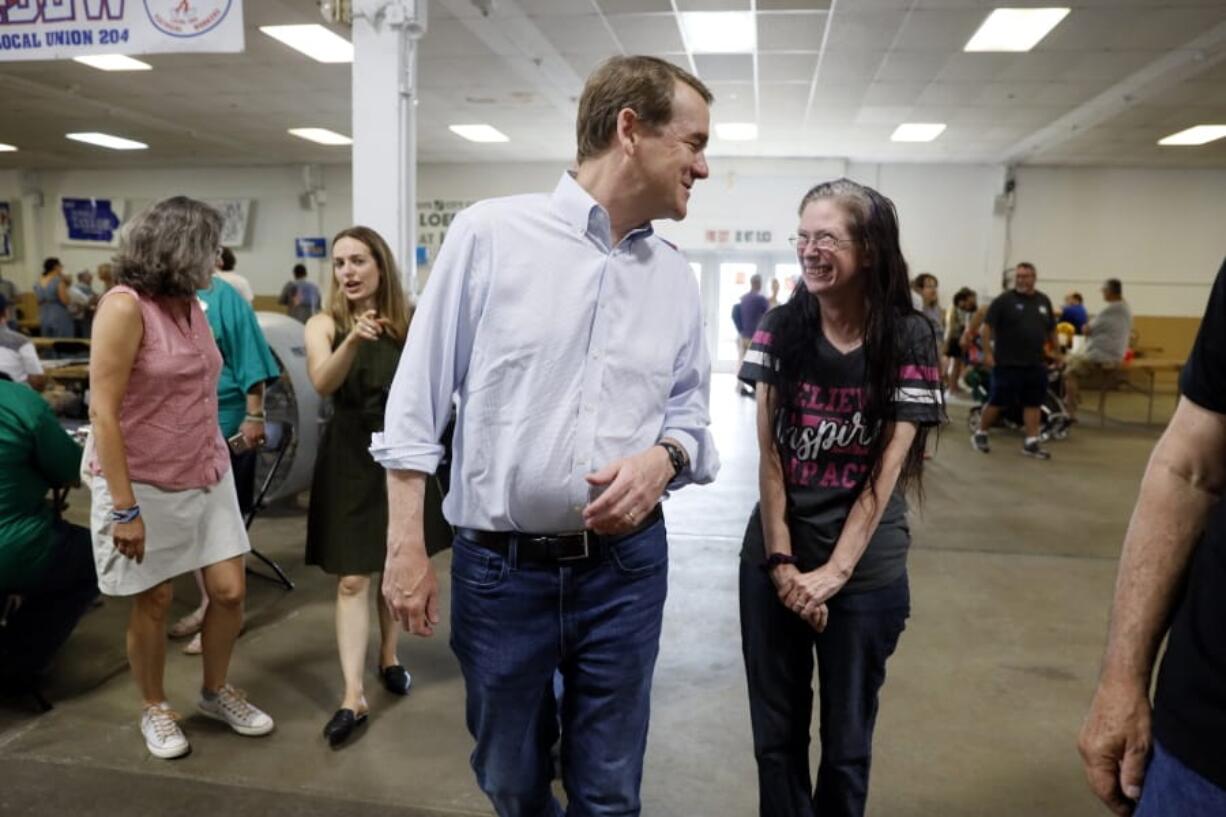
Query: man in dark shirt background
x=753, y=306
x=300, y=296
x=1172, y=573
x=1018, y=326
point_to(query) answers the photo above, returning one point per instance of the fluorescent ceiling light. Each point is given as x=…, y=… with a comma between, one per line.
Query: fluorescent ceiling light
x=719, y=32
x=736, y=131
x=105, y=140
x=321, y=135
x=113, y=62
x=917, y=131
x=1199, y=135
x=479, y=133
x=6, y=148
x=314, y=40
x=1015, y=29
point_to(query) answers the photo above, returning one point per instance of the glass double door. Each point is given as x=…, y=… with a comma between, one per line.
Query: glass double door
x=723, y=278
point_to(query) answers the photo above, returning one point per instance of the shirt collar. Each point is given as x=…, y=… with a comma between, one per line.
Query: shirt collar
x=584, y=215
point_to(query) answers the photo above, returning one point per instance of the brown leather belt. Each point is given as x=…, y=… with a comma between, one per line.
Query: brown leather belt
x=561, y=549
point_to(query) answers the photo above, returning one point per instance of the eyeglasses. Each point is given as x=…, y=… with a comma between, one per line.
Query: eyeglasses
x=822, y=241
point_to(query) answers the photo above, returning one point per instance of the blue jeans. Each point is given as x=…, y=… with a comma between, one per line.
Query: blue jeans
x=1171, y=789
x=513, y=627
x=779, y=649
x=52, y=606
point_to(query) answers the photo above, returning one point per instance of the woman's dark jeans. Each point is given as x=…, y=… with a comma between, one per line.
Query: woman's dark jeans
x=779, y=651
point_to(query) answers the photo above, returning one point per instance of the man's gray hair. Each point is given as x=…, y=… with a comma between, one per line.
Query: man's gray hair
x=169, y=249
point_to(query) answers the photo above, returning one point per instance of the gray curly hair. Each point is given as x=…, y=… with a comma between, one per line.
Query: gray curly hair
x=169, y=249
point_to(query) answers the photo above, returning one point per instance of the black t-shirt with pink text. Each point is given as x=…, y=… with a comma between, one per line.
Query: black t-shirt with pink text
x=826, y=441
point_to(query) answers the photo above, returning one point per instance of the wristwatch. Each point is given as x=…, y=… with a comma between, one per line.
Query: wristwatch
x=676, y=456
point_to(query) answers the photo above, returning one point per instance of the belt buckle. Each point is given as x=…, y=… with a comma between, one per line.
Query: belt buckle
x=587, y=550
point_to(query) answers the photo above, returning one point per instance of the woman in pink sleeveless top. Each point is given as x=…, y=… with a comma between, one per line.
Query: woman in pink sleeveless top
x=163, y=496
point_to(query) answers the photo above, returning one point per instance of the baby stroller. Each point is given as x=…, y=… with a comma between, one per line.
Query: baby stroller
x=1054, y=421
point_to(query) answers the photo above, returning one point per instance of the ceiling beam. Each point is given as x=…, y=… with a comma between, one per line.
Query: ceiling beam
x=1174, y=67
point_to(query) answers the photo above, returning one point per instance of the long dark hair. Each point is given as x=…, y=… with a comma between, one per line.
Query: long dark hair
x=873, y=222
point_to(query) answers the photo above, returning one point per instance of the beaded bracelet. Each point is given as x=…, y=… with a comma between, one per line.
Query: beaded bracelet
x=126, y=515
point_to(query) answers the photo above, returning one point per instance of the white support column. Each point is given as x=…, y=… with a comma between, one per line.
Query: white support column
x=385, y=35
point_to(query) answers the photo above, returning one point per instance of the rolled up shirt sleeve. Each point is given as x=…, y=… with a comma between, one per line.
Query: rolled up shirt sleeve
x=687, y=416
x=436, y=355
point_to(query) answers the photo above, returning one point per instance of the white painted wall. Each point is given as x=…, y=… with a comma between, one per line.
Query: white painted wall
x=945, y=211
x=1160, y=231
x=276, y=216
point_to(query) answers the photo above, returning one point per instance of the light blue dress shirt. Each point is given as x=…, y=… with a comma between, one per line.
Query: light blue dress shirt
x=565, y=354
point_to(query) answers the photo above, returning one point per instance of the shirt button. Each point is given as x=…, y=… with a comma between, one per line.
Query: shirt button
x=595, y=355
x=589, y=408
x=581, y=463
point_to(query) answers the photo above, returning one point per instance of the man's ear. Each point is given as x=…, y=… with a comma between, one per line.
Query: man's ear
x=628, y=129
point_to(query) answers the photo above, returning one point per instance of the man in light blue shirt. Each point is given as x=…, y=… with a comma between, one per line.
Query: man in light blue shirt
x=571, y=337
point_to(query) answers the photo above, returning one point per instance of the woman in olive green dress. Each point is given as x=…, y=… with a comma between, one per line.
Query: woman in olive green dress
x=353, y=347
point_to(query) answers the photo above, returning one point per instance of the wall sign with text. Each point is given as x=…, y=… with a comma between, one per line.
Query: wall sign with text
x=311, y=247
x=59, y=29
x=6, y=232
x=91, y=222
x=738, y=238
x=235, y=214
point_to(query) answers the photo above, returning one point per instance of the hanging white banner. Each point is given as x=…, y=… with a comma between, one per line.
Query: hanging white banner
x=59, y=29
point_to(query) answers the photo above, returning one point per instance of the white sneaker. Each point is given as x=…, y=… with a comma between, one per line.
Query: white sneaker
x=163, y=737
x=231, y=706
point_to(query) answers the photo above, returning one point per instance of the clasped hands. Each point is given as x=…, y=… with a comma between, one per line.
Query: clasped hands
x=806, y=594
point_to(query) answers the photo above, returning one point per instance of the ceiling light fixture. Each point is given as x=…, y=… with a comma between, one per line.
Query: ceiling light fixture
x=106, y=140
x=317, y=42
x=1198, y=135
x=917, y=131
x=1015, y=29
x=736, y=131
x=113, y=62
x=479, y=133
x=321, y=135
x=719, y=32
x=7, y=148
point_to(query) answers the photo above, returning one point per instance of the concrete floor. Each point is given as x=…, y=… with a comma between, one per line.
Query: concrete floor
x=1011, y=572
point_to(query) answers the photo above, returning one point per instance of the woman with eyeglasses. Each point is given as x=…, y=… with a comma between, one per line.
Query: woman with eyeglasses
x=847, y=387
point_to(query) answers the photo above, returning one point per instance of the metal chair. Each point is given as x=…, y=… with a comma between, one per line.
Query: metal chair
x=278, y=437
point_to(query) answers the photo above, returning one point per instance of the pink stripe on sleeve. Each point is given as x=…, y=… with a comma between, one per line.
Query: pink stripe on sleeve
x=762, y=337
x=913, y=372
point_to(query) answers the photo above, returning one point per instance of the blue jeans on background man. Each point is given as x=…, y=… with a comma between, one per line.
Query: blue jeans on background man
x=1171, y=789
x=779, y=648
x=514, y=625
x=51, y=607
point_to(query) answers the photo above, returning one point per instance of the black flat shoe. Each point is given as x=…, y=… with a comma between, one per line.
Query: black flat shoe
x=396, y=679
x=342, y=725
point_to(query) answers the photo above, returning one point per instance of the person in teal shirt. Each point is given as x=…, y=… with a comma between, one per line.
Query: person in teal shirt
x=247, y=366
x=47, y=575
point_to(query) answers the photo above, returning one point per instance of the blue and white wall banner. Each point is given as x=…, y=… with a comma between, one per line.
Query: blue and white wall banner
x=60, y=29
x=6, y=231
x=90, y=222
x=311, y=247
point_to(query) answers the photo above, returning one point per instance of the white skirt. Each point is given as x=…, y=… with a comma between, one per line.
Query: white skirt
x=184, y=531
